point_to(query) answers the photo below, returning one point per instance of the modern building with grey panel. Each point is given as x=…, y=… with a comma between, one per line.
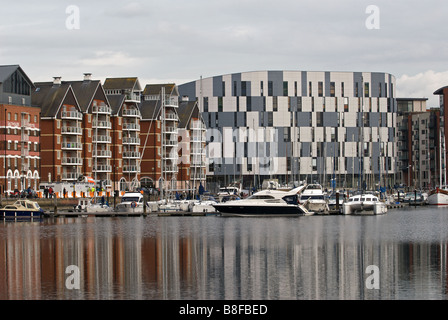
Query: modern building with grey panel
x=299, y=125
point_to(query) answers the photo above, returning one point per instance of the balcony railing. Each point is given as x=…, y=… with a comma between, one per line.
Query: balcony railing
x=171, y=129
x=172, y=101
x=72, y=145
x=102, y=139
x=170, y=169
x=70, y=175
x=101, y=109
x=102, y=153
x=172, y=156
x=132, y=97
x=71, y=115
x=131, y=154
x=71, y=161
x=102, y=124
x=171, y=116
x=170, y=143
x=131, y=126
x=102, y=168
x=130, y=140
x=131, y=112
x=130, y=169
x=72, y=130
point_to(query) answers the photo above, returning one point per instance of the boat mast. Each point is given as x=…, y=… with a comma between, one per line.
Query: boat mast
x=162, y=175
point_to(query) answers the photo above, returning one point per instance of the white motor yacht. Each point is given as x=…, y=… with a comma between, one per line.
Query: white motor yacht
x=265, y=203
x=131, y=202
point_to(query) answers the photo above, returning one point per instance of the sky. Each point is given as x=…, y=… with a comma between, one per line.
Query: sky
x=179, y=41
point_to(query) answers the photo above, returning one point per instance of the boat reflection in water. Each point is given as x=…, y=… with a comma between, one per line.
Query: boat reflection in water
x=214, y=258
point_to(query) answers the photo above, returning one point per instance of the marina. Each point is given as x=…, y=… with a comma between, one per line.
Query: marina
x=212, y=257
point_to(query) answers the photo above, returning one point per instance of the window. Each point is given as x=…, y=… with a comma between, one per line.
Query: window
x=342, y=89
x=320, y=88
x=223, y=88
x=366, y=90
x=285, y=88
x=219, y=104
x=205, y=102
x=270, y=88
x=332, y=89
x=310, y=89
x=275, y=103
x=261, y=88
x=243, y=88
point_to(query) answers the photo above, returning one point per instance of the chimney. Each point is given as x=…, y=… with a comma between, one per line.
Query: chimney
x=87, y=76
x=57, y=81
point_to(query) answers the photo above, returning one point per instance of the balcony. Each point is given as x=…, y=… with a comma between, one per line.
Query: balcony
x=131, y=126
x=170, y=143
x=198, y=151
x=170, y=169
x=132, y=97
x=172, y=156
x=74, y=115
x=102, y=124
x=70, y=176
x=102, y=139
x=102, y=153
x=71, y=146
x=130, y=140
x=171, y=116
x=171, y=129
x=131, y=154
x=197, y=161
x=71, y=130
x=102, y=168
x=131, y=113
x=101, y=109
x=171, y=101
x=130, y=169
x=72, y=161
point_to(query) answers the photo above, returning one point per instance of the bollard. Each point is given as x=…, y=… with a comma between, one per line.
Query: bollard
x=337, y=201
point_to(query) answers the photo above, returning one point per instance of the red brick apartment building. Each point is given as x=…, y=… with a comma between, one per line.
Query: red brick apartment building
x=20, y=123
x=175, y=131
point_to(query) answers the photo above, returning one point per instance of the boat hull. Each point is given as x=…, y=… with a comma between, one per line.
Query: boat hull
x=376, y=208
x=20, y=214
x=438, y=199
x=261, y=210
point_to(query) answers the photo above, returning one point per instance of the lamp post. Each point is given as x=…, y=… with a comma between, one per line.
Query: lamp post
x=409, y=177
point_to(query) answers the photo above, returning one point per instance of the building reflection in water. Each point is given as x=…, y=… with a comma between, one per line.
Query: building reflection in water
x=215, y=258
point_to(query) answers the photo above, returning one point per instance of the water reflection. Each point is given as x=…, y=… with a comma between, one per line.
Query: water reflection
x=227, y=258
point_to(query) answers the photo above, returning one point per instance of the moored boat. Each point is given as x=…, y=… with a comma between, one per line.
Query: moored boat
x=264, y=203
x=22, y=209
x=363, y=203
x=438, y=196
x=314, y=198
x=131, y=202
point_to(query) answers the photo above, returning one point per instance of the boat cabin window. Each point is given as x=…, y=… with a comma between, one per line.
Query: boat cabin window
x=130, y=199
x=29, y=206
x=261, y=197
x=314, y=197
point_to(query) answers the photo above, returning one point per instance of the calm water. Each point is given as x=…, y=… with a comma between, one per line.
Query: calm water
x=316, y=257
